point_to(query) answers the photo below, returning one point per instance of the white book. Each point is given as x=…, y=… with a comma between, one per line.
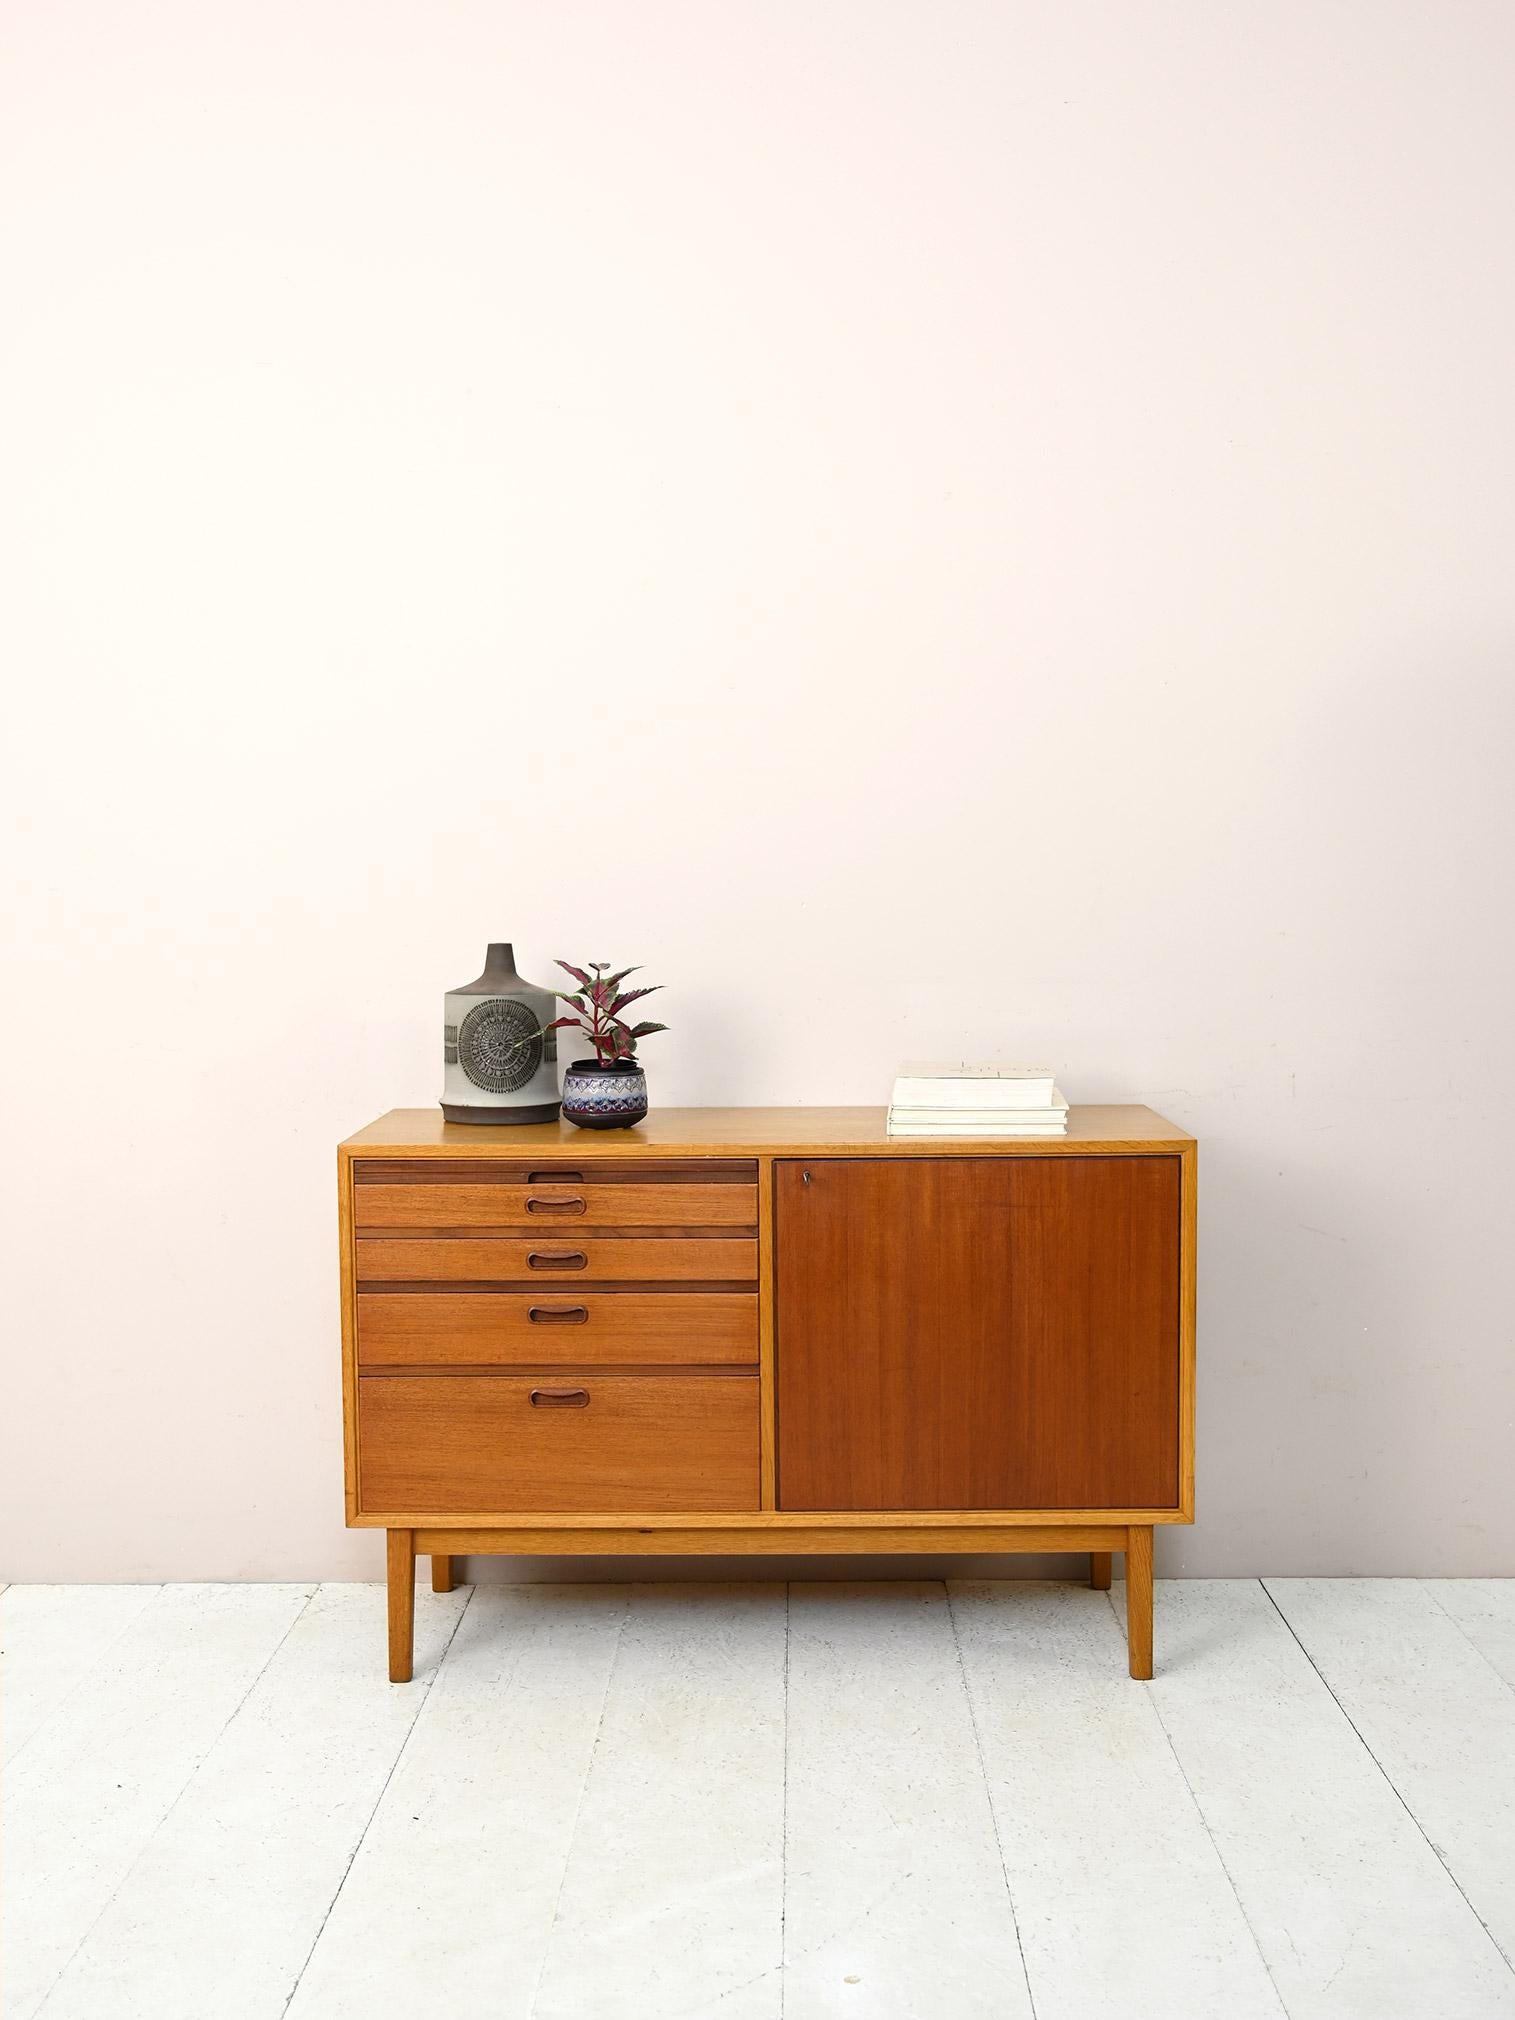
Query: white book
x=1049, y=1121
x=1054, y=1111
x=947, y=1131
x=948, y=1086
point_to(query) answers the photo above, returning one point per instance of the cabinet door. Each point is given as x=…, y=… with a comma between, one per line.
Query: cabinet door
x=988, y=1332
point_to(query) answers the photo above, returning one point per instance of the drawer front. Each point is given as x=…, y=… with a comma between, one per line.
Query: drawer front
x=483, y=1445
x=554, y=1206
x=556, y=1258
x=551, y=1327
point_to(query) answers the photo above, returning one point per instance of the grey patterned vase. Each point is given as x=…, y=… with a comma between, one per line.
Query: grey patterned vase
x=500, y=1063
x=604, y=1097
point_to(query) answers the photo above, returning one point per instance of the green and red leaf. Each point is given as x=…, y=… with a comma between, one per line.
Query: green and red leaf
x=633, y=996
x=599, y=1008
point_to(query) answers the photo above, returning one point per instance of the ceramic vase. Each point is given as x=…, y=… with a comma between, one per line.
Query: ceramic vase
x=499, y=1062
x=604, y=1097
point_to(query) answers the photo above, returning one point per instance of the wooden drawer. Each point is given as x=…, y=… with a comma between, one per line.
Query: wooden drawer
x=556, y=1258
x=478, y=1445
x=550, y=1327
x=480, y=1203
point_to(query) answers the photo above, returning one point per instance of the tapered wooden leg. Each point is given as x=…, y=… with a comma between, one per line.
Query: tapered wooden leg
x=401, y=1558
x=1099, y=1570
x=441, y=1574
x=1139, y=1601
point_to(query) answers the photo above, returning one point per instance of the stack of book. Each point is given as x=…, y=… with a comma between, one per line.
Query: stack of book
x=935, y=1100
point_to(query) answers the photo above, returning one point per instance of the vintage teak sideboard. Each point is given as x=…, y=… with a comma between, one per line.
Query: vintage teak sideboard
x=767, y=1331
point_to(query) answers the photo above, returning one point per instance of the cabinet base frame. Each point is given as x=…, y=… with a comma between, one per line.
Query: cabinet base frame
x=768, y=1538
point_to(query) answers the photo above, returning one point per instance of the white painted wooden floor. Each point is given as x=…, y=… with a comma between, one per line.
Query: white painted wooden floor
x=756, y=1801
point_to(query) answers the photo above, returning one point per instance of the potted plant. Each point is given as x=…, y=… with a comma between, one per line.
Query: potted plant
x=608, y=1091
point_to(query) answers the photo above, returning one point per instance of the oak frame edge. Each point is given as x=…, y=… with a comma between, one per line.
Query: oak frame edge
x=756, y=1539
x=925, y=1523
x=349, y=1312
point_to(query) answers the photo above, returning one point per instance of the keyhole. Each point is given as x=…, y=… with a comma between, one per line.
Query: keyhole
x=805, y=1176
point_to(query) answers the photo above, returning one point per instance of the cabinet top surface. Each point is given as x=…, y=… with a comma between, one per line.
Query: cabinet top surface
x=755, y=1132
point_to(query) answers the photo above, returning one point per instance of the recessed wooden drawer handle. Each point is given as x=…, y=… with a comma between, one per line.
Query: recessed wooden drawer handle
x=565, y=1206
x=560, y=1399
x=562, y=1315
x=557, y=1259
x=554, y=1178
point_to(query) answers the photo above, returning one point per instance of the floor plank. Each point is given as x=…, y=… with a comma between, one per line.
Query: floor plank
x=51, y=1638
x=97, y=1780
x=448, y=1904
x=895, y=1902
x=1352, y=1909
x=1484, y=1608
x=1437, y=1717
x=1125, y=1909
x=672, y=1900
x=588, y=1816
x=275, y=1812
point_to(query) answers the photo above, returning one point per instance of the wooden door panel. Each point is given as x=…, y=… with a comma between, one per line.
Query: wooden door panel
x=978, y=1332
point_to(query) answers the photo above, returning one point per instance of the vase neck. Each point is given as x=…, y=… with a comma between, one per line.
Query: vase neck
x=499, y=977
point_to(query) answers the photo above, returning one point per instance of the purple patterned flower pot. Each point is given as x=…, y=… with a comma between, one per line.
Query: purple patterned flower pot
x=604, y=1097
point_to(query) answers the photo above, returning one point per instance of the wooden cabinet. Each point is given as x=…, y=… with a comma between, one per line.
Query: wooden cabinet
x=767, y=1331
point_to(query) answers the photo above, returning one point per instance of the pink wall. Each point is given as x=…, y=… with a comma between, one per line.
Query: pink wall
x=976, y=526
